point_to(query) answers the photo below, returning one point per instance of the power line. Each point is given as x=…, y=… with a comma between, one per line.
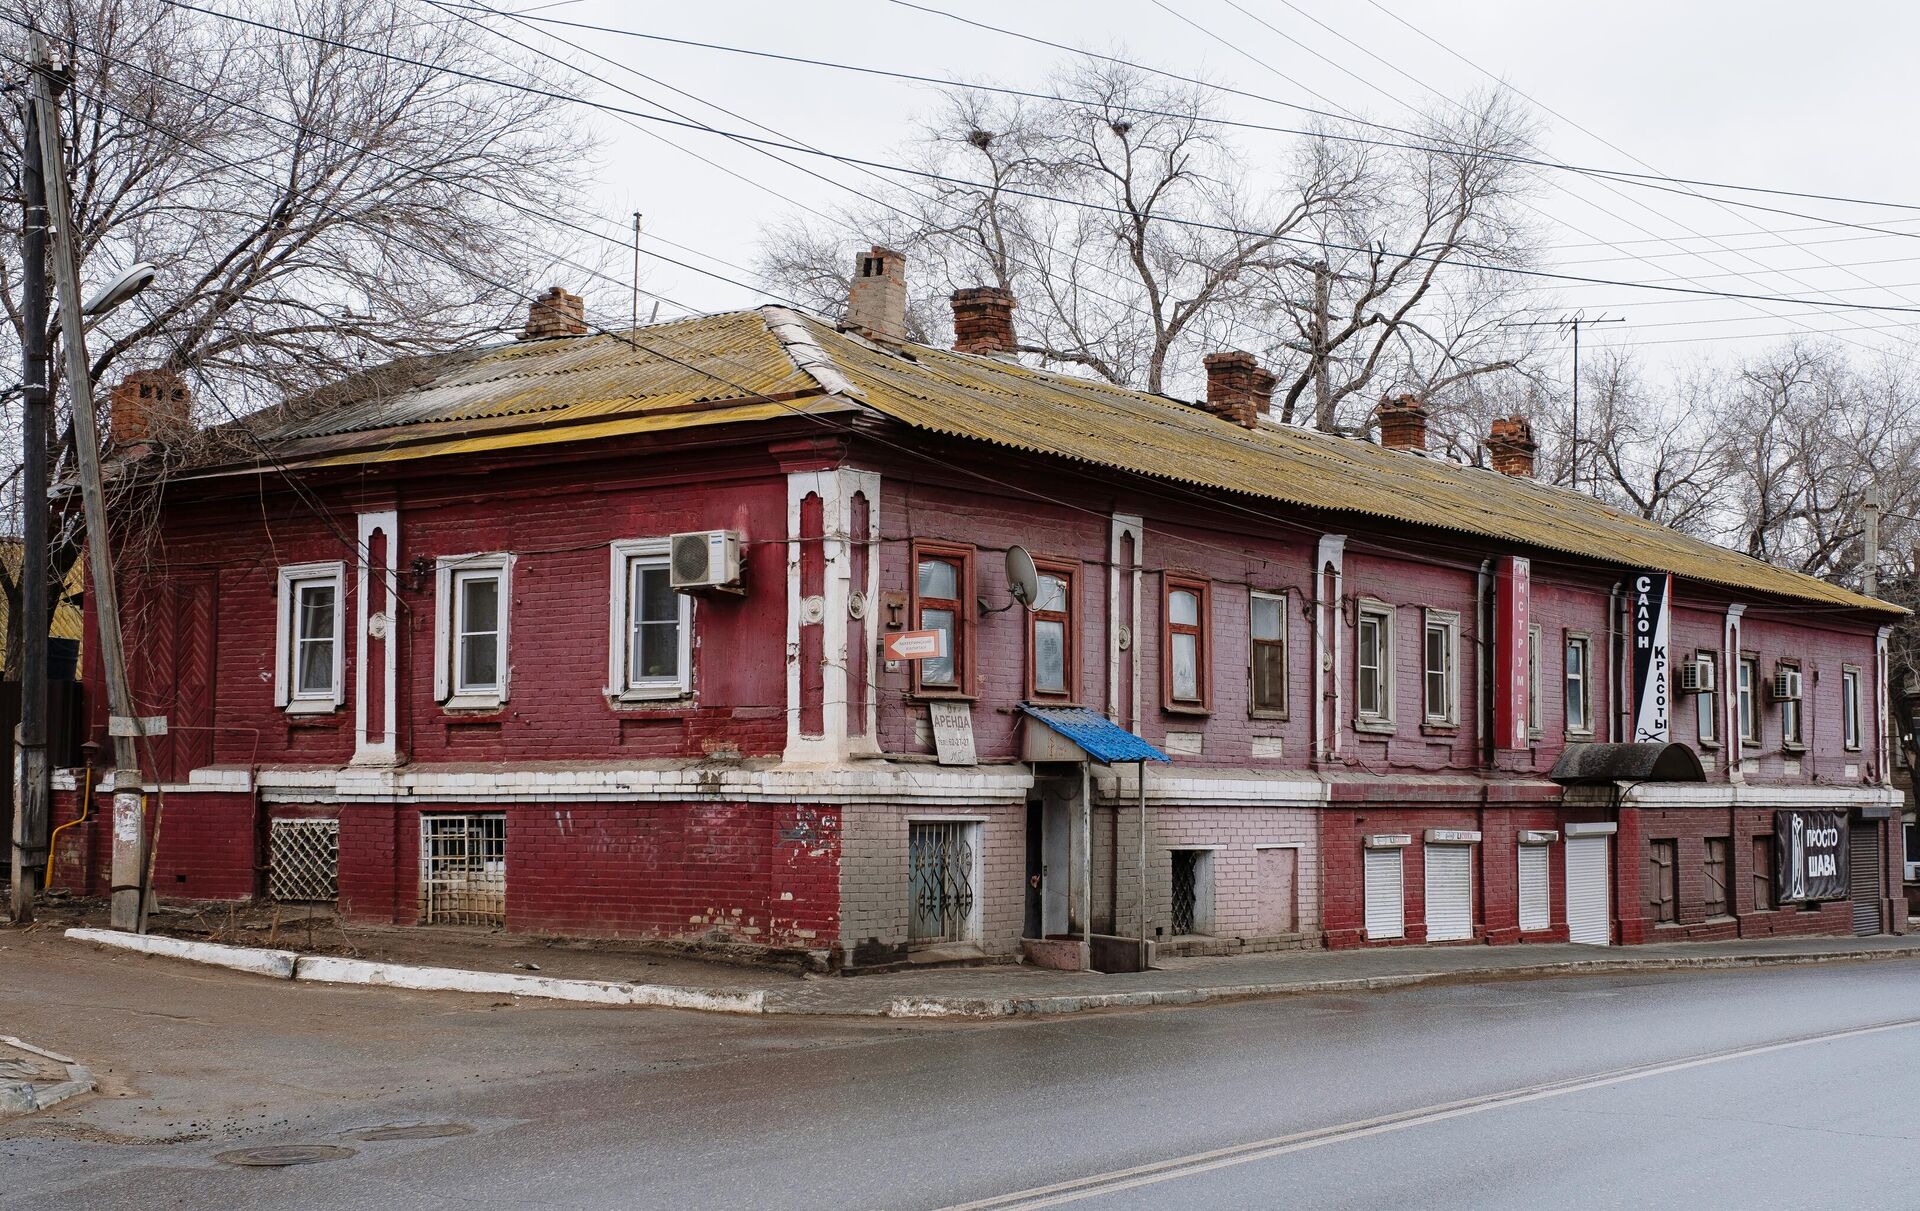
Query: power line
x=925, y=174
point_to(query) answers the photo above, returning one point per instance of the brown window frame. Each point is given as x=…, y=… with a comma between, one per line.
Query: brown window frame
x=1202, y=631
x=1663, y=882
x=1715, y=861
x=1068, y=570
x=1763, y=900
x=961, y=554
x=1254, y=646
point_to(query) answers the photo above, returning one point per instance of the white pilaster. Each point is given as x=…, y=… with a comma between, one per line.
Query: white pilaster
x=376, y=631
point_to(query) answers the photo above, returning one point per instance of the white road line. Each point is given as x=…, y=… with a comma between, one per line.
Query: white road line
x=1300, y=1141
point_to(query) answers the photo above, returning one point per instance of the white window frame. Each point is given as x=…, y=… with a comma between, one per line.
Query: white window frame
x=1850, y=729
x=1793, y=712
x=1586, y=683
x=1707, y=707
x=447, y=570
x=622, y=557
x=284, y=686
x=1746, y=712
x=1363, y=720
x=1534, y=725
x=1448, y=623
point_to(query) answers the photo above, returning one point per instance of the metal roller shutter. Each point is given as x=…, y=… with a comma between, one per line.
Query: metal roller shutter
x=1386, y=894
x=1589, y=906
x=1449, y=892
x=1536, y=901
x=1863, y=874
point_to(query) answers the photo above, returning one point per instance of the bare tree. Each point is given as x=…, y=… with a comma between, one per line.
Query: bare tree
x=311, y=209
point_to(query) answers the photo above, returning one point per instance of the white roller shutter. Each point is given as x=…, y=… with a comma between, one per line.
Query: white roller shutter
x=1589, y=907
x=1536, y=903
x=1386, y=894
x=1449, y=892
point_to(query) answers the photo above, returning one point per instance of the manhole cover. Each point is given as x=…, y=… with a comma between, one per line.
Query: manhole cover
x=280, y=1155
x=412, y=1131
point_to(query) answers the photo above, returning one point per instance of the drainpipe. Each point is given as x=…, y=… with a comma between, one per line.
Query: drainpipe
x=1616, y=667
x=1086, y=860
x=1140, y=783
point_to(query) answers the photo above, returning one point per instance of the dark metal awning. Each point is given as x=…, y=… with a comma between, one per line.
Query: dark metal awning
x=1584, y=764
x=1089, y=734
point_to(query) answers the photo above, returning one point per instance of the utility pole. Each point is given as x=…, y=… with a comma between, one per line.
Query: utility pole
x=636, y=269
x=129, y=831
x=1870, y=562
x=1574, y=322
x=33, y=788
x=1322, y=324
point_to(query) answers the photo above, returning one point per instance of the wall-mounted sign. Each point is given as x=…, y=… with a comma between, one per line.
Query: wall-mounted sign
x=1512, y=620
x=1809, y=856
x=1538, y=836
x=1389, y=841
x=1648, y=606
x=1452, y=836
x=916, y=645
x=952, y=731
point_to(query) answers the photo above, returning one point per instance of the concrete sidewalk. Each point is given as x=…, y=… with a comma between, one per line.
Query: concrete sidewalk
x=1019, y=991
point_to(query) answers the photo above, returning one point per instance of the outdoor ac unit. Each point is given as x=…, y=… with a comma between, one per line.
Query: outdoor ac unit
x=707, y=560
x=1786, y=685
x=1696, y=677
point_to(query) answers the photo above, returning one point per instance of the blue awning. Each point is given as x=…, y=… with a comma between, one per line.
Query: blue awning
x=1098, y=736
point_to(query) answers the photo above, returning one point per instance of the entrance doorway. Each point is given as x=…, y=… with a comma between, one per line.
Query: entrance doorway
x=1589, y=902
x=943, y=881
x=1449, y=876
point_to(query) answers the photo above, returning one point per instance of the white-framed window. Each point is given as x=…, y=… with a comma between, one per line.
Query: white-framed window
x=1706, y=703
x=472, y=607
x=1440, y=648
x=1533, y=680
x=1850, y=708
x=1748, y=707
x=1373, y=666
x=1790, y=715
x=1578, y=673
x=310, y=644
x=650, y=638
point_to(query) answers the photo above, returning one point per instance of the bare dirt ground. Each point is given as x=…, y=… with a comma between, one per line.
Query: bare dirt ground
x=316, y=930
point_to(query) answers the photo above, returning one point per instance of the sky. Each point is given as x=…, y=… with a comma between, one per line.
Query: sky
x=1784, y=96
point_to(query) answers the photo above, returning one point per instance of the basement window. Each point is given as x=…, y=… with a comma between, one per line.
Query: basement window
x=463, y=868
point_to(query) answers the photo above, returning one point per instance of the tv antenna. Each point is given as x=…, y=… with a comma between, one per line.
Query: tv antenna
x=1573, y=322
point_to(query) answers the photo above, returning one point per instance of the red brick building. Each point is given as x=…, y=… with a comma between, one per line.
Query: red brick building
x=422, y=651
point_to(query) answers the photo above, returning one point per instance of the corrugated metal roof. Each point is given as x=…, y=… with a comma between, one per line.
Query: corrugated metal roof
x=1103, y=739
x=67, y=620
x=756, y=365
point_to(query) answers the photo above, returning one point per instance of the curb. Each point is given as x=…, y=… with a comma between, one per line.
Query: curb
x=22, y=1097
x=997, y=1007
x=325, y=969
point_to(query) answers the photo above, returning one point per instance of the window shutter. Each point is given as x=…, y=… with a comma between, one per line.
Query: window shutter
x=1536, y=904
x=1386, y=894
x=1449, y=871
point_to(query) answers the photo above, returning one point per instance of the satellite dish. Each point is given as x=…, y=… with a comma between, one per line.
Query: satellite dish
x=122, y=288
x=1023, y=581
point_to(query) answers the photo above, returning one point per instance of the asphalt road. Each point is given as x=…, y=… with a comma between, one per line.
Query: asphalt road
x=1784, y=1088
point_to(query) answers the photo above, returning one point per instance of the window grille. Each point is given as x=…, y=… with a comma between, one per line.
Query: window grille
x=940, y=863
x=1186, y=890
x=463, y=862
x=305, y=860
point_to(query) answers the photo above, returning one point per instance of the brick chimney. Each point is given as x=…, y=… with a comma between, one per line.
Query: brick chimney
x=983, y=321
x=148, y=408
x=555, y=313
x=1511, y=446
x=1403, y=423
x=877, y=299
x=1237, y=388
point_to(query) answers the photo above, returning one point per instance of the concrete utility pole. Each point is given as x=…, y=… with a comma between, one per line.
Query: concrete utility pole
x=129, y=833
x=1870, y=562
x=32, y=777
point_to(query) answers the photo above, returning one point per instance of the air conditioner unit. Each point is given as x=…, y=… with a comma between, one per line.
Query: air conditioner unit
x=1786, y=685
x=707, y=560
x=1696, y=677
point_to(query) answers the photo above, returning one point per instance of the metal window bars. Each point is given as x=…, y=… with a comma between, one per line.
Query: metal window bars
x=304, y=857
x=1186, y=878
x=940, y=862
x=463, y=869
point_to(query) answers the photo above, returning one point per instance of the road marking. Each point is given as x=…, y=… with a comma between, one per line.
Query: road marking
x=1300, y=1141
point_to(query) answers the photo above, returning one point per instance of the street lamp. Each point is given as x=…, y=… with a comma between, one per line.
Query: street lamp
x=118, y=291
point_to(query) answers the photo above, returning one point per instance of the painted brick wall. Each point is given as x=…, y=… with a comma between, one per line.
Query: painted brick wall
x=1235, y=832
x=747, y=873
x=204, y=850
x=874, y=876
